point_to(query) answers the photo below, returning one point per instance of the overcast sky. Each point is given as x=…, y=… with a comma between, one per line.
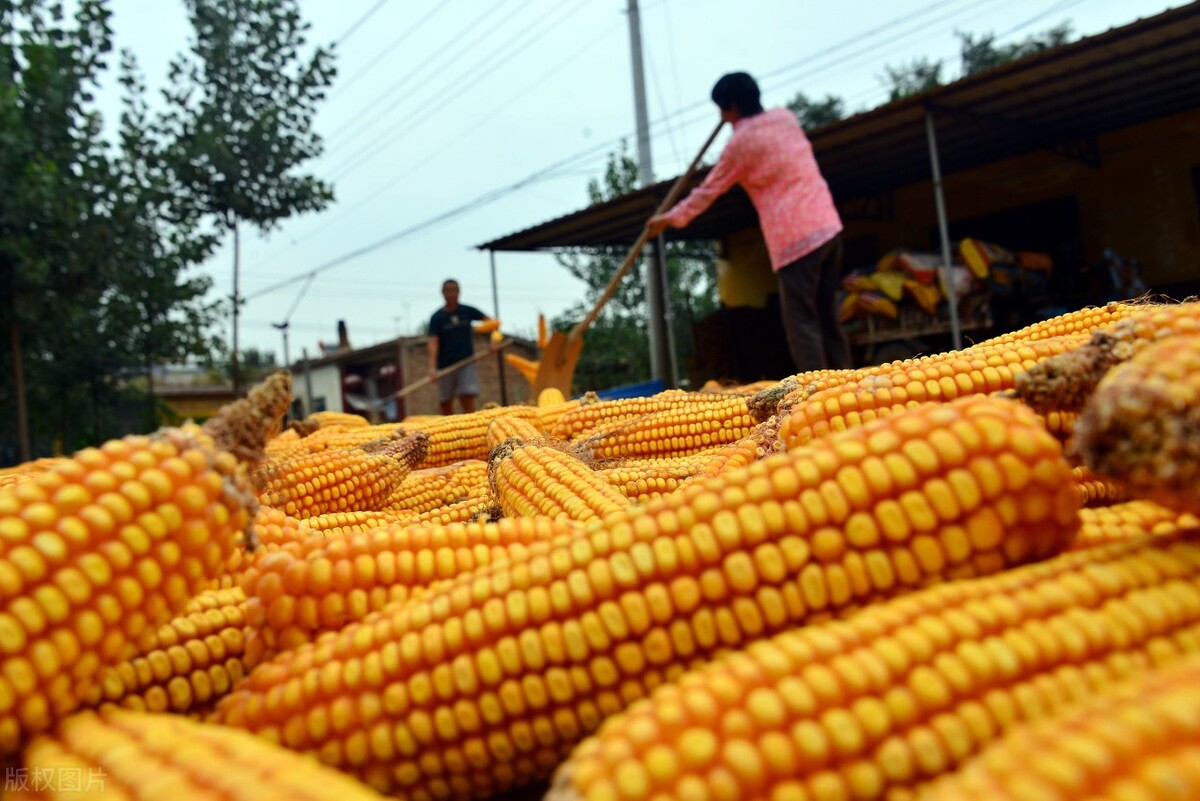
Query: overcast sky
x=438, y=105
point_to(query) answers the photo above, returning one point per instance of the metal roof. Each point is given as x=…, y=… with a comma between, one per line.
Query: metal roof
x=1060, y=100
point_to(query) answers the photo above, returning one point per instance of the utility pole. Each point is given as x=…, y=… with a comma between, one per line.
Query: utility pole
x=662, y=350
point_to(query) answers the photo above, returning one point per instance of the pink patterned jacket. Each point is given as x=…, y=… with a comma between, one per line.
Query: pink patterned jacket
x=772, y=159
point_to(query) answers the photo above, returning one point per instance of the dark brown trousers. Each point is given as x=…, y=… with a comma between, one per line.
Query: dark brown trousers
x=808, y=301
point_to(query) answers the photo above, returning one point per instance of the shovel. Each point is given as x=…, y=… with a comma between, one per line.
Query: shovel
x=561, y=354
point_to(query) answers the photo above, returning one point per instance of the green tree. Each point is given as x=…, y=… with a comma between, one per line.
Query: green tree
x=981, y=52
x=616, y=350
x=241, y=105
x=53, y=169
x=919, y=75
x=815, y=113
x=156, y=310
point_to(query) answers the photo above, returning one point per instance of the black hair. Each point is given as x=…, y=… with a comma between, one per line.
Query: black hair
x=448, y=282
x=737, y=89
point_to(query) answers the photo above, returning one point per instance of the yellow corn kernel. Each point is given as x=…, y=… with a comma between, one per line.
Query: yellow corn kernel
x=124, y=754
x=113, y=543
x=1130, y=520
x=542, y=480
x=907, y=689
x=339, y=480
x=1097, y=491
x=1139, y=739
x=503, y=429
x=187, y=663
x=950, y=376
x=461, y=437
x=591, y=415
x=434, y=487
x=539, y=647
x=688, y=428
x=320, y=585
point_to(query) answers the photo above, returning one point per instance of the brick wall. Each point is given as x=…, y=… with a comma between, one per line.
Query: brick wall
x=425, y=400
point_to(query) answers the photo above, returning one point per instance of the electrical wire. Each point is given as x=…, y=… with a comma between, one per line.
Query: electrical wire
x=359, y=23
x=341, y=87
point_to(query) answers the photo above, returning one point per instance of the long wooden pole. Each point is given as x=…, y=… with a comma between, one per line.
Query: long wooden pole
x=445, y=371
x=643, y=238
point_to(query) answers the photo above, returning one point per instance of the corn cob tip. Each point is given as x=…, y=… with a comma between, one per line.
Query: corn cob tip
x=764, y=404
x=244, y=427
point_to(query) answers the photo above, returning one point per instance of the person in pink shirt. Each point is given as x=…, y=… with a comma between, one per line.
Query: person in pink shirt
x=772, y=159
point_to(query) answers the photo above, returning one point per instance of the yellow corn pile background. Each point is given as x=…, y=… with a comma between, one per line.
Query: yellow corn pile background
x=970, y=575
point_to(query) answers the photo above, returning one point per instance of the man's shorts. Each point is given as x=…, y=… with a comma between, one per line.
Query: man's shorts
x=459, y=383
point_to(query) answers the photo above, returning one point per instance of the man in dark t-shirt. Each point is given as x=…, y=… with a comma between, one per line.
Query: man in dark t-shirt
x=450, y=341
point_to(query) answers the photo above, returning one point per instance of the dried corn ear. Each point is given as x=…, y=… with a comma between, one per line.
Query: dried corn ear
x=543, y=480
x=112, y=544
x=904, y=691
x=139, y=756
x=686, y=429
x=461, y=437
x=1139, y=740
x=186, y=663
x=486, y=682
x=339, y=480
x=1126, y=521
x=320, y=585
x=1142, y=424
x=1067, y=381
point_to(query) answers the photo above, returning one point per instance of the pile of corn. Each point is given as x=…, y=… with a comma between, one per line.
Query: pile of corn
x=974, y=574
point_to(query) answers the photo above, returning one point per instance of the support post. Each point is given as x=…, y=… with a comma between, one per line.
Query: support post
x=944, y=231
x=496, y=314
x=308, y=403
x=656, y=295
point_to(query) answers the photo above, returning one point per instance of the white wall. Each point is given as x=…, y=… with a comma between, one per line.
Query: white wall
x=326, y=384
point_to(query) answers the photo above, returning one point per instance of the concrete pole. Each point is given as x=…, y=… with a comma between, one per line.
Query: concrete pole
x=944, y=231
x=661, y=351
x=496, y=314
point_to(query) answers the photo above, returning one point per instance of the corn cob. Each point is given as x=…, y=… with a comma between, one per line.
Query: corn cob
x=752, y=388
x=687, y=429
x=1126, y=521
x=320, y=585
x=478, y=508
x=966, y=373
x=505, y=428
x=548, y=416
x=269, y=529
x=550, y=396
x=22, y=472
x=335, y=438
x=761, y=442
x=639, y=481
x=326, y=419
x=282, y=444
x=1097, y=491
x=342, y=524
x=1139, y=740
x=905, y=690
x=1067, y=381
x=113, y=543
x=432, y=488
x=589, y=417
x=340, y=480
x=528, y=368
x=186, y=663
x=542, y=480
x=1142, y=425
x=464, y=436
x=486, y=681
x=122, y=754
x=1082, y=321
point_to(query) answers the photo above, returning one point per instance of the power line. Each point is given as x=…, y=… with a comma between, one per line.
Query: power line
x=464, y=81
x=574, y=160
x=358, y=24
x=341, y=87
x=355, y=121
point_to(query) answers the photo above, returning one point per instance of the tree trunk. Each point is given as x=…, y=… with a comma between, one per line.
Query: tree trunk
x=25, y=453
